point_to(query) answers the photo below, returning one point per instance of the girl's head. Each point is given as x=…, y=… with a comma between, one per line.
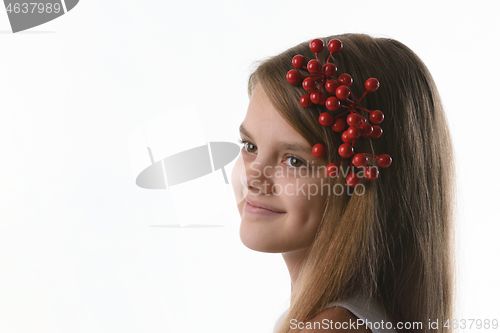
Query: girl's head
x=278, y=172
x=392, y=240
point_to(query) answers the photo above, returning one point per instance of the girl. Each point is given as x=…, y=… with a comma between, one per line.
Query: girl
x=380, y=256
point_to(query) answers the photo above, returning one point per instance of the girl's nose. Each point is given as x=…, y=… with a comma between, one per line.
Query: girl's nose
x=260, y=176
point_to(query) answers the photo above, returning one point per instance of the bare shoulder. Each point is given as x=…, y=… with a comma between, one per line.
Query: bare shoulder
x=334, y=320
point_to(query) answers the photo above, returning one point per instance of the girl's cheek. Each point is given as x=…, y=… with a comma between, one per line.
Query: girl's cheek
x=238, y=180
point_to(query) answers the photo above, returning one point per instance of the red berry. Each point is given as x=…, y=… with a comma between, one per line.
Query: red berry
x=345, y=79
x=317, y=96
x=309, y=84
x=376, y=117
x=352, y=179
x=346, y=138
x=384, y=160
x=331, y=86
x=298, y=61
x=371, y=84
x=332, y=170
x=353, y=133
x=293, y=77
x=329, y=69
x=335, y=46
x=318, y=150
x=338, y=125
x=316, y=45
x=314, y=66
x=332, y=103
x=325, y=119
x=377, y=132
x=346, y=150
x=366, y=129
x=371, y=173
x=354, y=119
x=305, y=101
x=359, y=160
x=343, y=92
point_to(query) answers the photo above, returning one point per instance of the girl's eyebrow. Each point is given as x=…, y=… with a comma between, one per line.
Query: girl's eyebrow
x=294, y=146
x=282, y=144
x=244, y=131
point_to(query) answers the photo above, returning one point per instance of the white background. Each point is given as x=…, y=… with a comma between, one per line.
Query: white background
x=78, y=252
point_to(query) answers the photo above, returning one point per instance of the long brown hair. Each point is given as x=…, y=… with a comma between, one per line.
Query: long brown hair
x=395, y=242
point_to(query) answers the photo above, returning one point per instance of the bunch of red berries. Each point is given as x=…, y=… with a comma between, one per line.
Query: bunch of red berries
x=321, y=77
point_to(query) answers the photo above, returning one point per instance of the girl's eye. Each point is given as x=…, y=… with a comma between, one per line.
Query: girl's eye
x=248, y=146
x=294, y=161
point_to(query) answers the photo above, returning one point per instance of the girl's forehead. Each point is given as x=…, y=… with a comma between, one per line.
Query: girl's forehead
x=264, y=121
x=271, y=129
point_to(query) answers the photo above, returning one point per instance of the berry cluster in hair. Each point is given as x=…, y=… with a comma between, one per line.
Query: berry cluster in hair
x=339, y=115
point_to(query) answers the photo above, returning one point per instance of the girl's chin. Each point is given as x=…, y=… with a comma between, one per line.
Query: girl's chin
x=254, y=240
x=263, y=240
x=265, y=248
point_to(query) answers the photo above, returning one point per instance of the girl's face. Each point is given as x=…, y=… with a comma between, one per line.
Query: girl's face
x=276, y=169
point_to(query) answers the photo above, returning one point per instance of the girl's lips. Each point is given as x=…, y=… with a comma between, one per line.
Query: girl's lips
x=259, y=210
x=262, y=205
